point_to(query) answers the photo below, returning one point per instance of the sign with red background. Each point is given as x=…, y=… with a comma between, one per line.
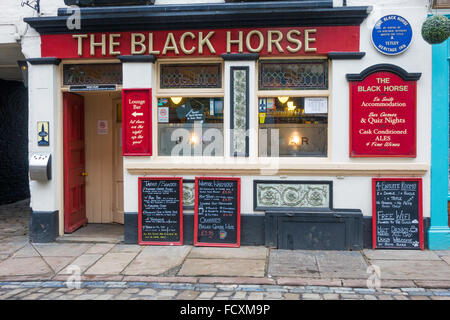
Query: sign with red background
x=293, y=41
x=137, y=122
x=383, y=116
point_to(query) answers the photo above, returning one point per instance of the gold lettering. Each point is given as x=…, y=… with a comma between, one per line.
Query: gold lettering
x=308, y=40
x=80, y=38
x=101, y=44
x=170, y=44
x=135, y=43
x=113, y=44
x=276, y=41
x=239, y=42
x=150, y=45
x=182, y=46
x=202, y=41
x=261, y=41
x=291, y=39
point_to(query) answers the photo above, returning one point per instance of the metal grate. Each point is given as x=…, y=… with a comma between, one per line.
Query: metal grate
x=88, y=74
x=177, y=76
x=297, y=75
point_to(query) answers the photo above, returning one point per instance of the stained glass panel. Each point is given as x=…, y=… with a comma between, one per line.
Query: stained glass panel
x=177, y=76
x=297, y=75
x=97, y=73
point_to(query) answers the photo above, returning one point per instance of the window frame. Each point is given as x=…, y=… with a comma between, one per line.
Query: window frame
x=297, y=93
x=186, y=93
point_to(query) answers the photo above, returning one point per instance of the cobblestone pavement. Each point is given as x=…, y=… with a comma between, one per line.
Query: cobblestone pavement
x=110, y=290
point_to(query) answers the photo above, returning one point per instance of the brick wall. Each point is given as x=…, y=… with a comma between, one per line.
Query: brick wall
x=13, y=142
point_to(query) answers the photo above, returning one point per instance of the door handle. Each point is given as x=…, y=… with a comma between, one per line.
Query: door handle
x=84, y=174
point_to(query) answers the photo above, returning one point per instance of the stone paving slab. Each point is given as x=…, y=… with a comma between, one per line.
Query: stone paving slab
x=58, y=263
x=24, y=267
x=83, y=262
x=223, y=267
x=111, y=263
x=341, y=264
x=416, y=270
x=156, y=260
x=55, y=249
x=27, y=251
x=288, y=263
x=245, y=252
x=401, y=255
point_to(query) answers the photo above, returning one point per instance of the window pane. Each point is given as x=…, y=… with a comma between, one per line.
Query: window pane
x=84, y=74
x=300, y=75
x=190, y=126
x=441, y=4
x=296, y=127
x=191, y=76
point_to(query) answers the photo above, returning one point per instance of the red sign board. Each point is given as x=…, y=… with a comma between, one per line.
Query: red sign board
x=383, y=116
x=287, y=41
x=137, y=122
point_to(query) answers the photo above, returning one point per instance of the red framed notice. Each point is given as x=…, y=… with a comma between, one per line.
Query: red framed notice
x=397, y=217
x=217, y=221
x=383, y=121
x=137, y=122
x=160, y=217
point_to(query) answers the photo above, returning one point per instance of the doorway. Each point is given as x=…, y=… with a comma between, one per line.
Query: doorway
x=100, y=171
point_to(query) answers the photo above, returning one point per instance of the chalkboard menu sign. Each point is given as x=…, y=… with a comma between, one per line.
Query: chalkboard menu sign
x=397, y=221
x=161, y=211
x=217, y=212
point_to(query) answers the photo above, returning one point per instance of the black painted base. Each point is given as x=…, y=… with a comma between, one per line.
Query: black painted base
x=44, y=226
x=254, y=227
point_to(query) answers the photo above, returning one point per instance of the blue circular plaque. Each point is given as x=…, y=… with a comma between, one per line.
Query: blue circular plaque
x=392, y=35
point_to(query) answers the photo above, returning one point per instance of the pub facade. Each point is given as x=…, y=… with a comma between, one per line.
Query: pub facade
x=289, y=124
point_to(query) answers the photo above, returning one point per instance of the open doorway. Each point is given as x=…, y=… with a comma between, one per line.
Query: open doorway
x=93, y=160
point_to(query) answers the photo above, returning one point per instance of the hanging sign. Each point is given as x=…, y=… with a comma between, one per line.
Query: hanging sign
x=392, y=35
x=137, y=122
x=217, y=212
x=161, y=211
x=397, y=220
x=383, y=112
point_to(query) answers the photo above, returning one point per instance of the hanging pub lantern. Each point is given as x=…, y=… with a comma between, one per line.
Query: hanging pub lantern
x=436, y=29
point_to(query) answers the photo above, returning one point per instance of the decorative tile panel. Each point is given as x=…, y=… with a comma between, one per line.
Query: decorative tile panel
x=292, y=194
x=188, y=194
x=239, y=110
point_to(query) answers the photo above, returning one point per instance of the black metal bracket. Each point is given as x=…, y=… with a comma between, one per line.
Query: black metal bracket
x=33, y=4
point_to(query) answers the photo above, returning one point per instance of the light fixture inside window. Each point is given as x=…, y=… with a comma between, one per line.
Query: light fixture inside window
x=176, y=100
x=291, y=106
x=283, y=99
x=194, y=139
x=294, y=140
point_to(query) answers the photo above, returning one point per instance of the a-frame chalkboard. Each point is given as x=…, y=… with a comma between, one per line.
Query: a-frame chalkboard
x=160, y=211
x=397, y=221
x=217, y=220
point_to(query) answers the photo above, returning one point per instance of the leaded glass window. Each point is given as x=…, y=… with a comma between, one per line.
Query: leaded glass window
x=179, y=76
x=96, y=73
x=293, y=75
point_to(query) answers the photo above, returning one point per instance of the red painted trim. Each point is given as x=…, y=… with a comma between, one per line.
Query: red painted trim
x=163, y=243
x=148, y=147
x=238, y=235
x=420, y=206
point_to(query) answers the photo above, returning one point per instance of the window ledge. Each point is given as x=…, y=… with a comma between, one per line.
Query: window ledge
x=177, y=167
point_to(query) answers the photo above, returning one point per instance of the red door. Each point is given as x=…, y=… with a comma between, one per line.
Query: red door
x=74, y=163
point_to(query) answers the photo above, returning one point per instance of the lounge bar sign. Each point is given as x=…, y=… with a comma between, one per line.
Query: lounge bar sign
x=137, y=119
x=383, y=112
x=264, y=41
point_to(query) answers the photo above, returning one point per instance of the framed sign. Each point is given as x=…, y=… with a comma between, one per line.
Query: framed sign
x=383, y=117
x=137, y=122
x=43, y=139
x=397, y=221
x=392, y=35
x=217, y=221
x=160, y=211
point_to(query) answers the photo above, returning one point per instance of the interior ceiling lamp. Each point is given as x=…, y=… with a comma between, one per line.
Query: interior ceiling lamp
x=291, y=106
x=294, y=140
x=176, y=100
x=283, y=99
